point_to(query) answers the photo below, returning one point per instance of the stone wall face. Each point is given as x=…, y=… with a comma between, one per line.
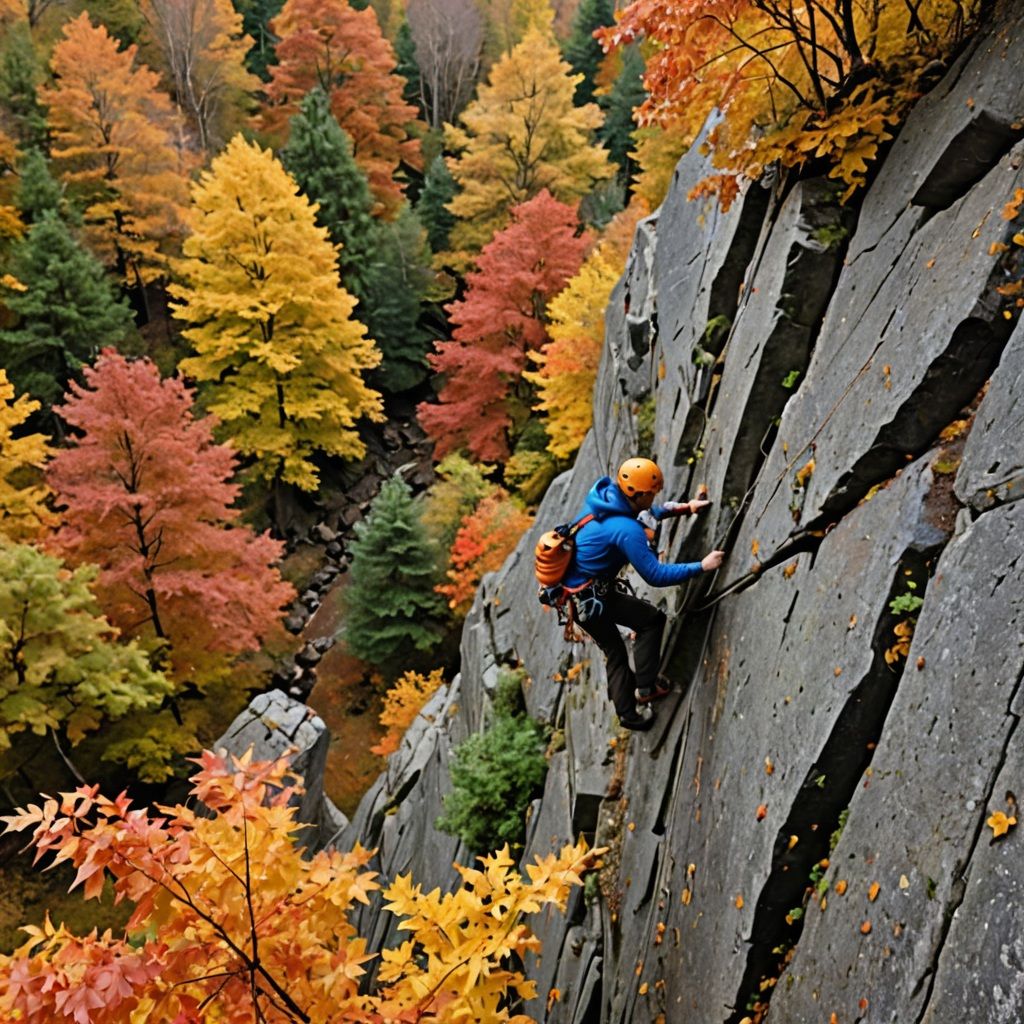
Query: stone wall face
x=806, y=363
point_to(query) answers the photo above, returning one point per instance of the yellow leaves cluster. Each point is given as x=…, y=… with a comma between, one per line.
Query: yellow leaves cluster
x=901, y=648
x=521, y=134
x=23, y=512
x=271, y=325
x=231, y=915
x=402, y=703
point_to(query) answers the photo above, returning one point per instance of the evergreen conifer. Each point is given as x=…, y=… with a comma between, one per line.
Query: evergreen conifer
x=406, y=66
x=20, y=76
x=38, y=190
x=626, y=94
x=392, y=610
x=438, y=190
x=583, y=52
x=66, y=313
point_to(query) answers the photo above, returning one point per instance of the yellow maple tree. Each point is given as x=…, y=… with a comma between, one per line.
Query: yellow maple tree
x=271, y=325
x=520, y=135
x=235, y=923
x=23, y=512
x=120, y=146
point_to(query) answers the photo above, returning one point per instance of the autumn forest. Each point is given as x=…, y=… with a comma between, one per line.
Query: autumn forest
x=238, y=239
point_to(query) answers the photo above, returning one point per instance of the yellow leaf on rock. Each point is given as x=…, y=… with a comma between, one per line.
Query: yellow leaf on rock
x=739, y=902
x=1000, y=824
x=873, y=890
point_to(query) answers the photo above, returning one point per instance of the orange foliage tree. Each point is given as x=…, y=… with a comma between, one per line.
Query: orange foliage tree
x=823, y=79
x=483, y=542
x=119, y=144
x=402, y=703
x=148, y=498
x=233, y=923
x=331, y=44
x=502, y=316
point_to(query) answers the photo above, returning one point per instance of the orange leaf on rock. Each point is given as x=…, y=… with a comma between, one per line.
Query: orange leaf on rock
x=1000, y=824
x=873, y=890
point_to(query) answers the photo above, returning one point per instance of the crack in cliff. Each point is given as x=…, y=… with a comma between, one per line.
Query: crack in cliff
x=817, y=809
x=959, y=891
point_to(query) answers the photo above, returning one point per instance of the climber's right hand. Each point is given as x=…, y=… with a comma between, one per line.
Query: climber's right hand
x=712, y=561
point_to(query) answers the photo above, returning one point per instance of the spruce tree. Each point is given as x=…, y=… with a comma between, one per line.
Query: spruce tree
x=319, y=157
x=438, y=189
x=399, y=279
x=392, y=610
x=38, y=191
x=383, y=264
x=582, y=50
x=66, y=313
x=20, y=76
x=405, y=55
x=626, y=94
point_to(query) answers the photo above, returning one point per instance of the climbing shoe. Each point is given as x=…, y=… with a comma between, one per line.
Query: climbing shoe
x=640, y=720
x=644, y=695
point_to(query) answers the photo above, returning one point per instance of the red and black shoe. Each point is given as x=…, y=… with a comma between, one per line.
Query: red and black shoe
x=662, y=688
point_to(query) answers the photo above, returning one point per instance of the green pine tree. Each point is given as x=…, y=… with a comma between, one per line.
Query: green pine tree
x=319, y=157
x=406, y=66
x=627, y=93
x=39, y=192
x=438, y=190
x=21, y=73
x=384, y=265
x=66, y=313
x=582, y=50
x=399, y=281
x=392, y=610
x=256, y=18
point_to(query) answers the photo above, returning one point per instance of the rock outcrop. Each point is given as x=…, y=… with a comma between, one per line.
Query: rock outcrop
x=805, y=828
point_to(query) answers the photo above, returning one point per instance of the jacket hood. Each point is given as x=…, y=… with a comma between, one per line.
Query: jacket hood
x=606, y=499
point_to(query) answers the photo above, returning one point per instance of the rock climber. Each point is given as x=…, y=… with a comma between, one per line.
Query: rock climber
x=602, y=547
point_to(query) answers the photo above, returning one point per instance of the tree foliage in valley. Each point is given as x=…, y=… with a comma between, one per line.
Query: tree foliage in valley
x=271, y=324
x=65, y=307
x=23, y=495
x=501, y=317
x=402, y=704
x=62, y=668
x=568, y=363
x=459, y=487
x=21, y=75
x=521, y=134
x=147, y=497
x=328, y=43
x=232, y=922
x=484, y=540
x=392, y=611
x=119, y=145
x=821, y=80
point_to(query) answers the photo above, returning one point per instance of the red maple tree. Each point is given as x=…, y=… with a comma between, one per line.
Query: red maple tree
x=331, y=44
x=148, y=499
x=503, y=315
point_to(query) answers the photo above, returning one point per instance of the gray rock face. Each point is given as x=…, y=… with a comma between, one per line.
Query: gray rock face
x=274, y=725
x=848, y=685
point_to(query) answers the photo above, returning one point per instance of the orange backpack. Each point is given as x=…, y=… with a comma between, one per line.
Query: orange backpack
x=553, y=553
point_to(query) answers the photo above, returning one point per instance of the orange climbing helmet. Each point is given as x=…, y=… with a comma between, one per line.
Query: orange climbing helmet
x=639, y=476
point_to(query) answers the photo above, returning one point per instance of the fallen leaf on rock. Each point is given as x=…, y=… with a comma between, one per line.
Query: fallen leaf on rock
x=862, y=1005
x=920, y=663
x=904, y=882
x=553, y=997
x=873, y=890
x=1000, y=824
x=762, y=811
x=769, y=766
x=853, y=622
x=840, y=887
x=789, y=570
x=643, y=989
x=865, y=928
x=793, y=840
x=685, y=897
x=739, y=902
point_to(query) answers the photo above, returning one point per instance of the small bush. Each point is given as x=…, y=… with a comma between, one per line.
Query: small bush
x=495, y=774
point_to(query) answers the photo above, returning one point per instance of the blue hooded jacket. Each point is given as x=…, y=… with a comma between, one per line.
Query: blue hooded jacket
x=614, y=537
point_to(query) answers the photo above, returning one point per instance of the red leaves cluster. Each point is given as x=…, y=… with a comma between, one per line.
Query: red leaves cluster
x=331, y=44
x=148, y=499
x=502, y=316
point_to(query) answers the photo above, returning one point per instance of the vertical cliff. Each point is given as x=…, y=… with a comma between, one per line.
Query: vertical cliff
x=849, y=384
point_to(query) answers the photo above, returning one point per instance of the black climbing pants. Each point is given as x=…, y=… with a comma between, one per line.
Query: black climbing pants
x=649, y=624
